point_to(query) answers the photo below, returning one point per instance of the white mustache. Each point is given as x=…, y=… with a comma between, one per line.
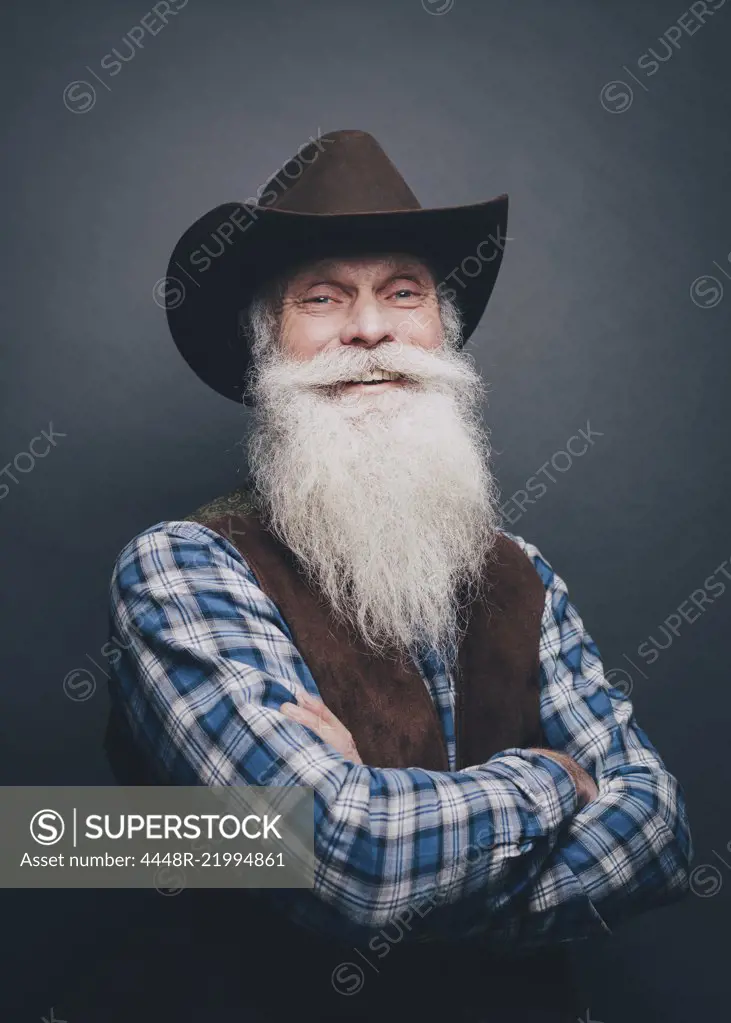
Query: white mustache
x=436, y=368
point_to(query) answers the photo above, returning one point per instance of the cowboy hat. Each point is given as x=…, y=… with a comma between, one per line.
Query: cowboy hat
x=340, y=192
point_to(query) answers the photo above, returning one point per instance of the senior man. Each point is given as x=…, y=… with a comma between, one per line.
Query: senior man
x=355, y=619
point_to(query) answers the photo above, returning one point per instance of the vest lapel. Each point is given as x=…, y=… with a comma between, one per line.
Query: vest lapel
x=498, y=690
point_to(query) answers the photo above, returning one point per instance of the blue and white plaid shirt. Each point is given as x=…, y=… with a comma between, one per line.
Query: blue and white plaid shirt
x=499, y=849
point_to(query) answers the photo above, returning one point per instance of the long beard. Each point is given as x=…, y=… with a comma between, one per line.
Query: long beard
x=387, y=500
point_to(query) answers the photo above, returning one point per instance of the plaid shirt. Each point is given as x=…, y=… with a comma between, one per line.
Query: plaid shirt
x=499, y=849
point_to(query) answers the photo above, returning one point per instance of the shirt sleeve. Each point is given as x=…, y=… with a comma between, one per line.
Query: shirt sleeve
x=630, y=848
x=205, y=663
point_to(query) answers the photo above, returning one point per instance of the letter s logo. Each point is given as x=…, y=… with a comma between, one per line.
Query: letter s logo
x=47, y=827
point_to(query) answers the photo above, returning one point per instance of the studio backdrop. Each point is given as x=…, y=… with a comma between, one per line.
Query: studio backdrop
x=605, y=347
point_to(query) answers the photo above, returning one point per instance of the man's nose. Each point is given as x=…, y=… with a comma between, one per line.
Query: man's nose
x=367, y=324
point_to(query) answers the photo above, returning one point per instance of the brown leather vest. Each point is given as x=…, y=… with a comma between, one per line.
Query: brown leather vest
x=384, y=703
x=383, y=700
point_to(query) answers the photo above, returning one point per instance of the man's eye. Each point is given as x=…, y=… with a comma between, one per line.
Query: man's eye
x=318, y=298
x=404, y=292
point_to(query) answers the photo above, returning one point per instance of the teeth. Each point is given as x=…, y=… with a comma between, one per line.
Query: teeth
x=378, y=374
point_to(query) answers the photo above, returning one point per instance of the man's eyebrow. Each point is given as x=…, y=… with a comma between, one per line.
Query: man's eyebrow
x=410, y=274
x=316, y=280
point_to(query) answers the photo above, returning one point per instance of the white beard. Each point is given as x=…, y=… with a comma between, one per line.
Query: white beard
x=387, y=499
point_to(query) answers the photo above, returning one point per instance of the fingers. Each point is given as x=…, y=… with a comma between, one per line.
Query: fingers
x=309, y=711
x=316, y=706
x=297, y=713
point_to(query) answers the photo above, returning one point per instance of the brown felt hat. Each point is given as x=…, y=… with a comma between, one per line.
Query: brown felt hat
x=339, y=193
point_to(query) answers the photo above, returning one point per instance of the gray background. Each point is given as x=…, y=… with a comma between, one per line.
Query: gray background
x=617, y=208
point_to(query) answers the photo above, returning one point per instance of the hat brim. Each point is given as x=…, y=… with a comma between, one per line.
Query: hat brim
x=222, y=259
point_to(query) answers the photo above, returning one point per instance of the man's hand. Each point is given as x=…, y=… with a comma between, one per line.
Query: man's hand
x=585, y=784
x=312, y=712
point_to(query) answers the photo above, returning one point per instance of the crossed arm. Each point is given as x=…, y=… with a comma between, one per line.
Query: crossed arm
x=507, y=849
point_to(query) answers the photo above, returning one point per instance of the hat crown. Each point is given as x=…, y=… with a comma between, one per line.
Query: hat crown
x=340, y=172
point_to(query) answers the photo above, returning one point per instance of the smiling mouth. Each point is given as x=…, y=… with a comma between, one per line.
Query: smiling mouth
x=378, y=376
x=375, y=380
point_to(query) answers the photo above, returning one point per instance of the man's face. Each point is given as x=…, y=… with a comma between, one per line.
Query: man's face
x=361, y=301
